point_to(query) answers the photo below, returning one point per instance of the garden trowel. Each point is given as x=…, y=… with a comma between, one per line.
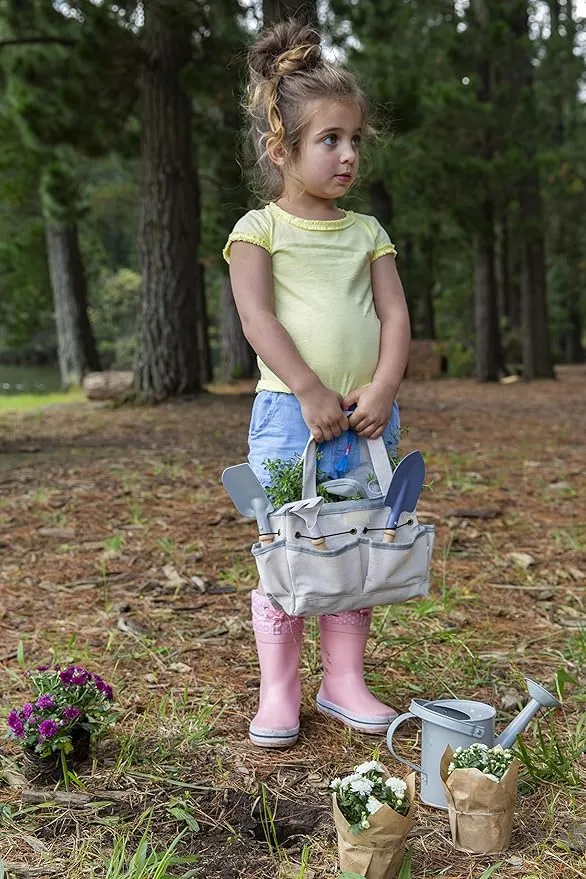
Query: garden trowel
x=404, y=491
x=308, y=510
x=249, y=497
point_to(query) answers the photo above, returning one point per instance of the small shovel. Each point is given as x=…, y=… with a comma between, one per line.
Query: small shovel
x=404, y=491
x=249, y=497
x=308, y=510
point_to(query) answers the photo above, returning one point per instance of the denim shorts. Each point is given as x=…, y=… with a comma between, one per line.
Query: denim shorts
x=278, y=431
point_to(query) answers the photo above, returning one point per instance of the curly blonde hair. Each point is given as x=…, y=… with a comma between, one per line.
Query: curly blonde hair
x=286, y=71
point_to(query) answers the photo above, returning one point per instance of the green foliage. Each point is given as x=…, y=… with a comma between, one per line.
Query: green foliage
x=114, y=317
x=549, y=758
x=460, y=359
x=286, y=483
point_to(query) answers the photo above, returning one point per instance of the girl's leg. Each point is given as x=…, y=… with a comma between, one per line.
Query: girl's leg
x=278, y=643
x=343, y=693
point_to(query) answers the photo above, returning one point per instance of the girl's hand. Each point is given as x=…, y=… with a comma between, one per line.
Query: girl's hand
x=374, y=404
x=322, y=412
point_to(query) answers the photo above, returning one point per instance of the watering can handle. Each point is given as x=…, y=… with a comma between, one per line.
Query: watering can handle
x=390, y=732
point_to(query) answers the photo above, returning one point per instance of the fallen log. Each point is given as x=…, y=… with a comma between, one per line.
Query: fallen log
x=108, y=385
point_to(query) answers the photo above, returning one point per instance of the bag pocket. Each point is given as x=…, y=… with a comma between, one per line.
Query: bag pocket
x=399, y=571
x=324, y=579
x=273, y=570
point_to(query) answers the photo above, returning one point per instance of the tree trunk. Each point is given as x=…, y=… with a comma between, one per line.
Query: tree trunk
x=170, y=357
x=279, y=10
x=489, y=359
x=238, y=358
x=427, y=306
x=75, y=340
x=203, y=334
x=537, y=356
x=502, y=268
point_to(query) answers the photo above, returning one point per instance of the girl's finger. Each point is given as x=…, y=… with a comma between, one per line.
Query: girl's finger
x=359, y=423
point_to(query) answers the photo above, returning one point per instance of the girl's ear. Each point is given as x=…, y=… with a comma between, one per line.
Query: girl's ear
x=277, y=154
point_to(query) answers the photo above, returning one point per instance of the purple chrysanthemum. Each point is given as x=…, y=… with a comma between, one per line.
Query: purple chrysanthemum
x=42, y=668
x=48, y=728
x=105, y=688
x=46, y=701
x=71, y=713
x=27, y=710
x=15, y=723
x=75, y=675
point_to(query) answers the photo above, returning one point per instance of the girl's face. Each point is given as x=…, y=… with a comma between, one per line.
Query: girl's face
x=328, y=159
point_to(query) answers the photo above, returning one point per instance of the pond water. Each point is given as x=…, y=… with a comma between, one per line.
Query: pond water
x=29, y=379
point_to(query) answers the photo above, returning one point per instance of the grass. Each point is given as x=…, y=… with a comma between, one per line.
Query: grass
x=26, y=402
x=179, y=758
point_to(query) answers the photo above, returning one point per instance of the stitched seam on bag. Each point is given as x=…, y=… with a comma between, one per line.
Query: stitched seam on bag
x=326, y=553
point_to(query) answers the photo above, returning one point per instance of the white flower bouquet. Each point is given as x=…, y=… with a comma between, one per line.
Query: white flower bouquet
x=480, y=784
x=373, y=815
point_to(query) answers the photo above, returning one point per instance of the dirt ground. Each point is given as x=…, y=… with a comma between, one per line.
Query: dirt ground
x=119, y=550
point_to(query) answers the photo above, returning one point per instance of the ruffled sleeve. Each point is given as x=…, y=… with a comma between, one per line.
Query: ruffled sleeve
x=382, y=243
x=253, y=228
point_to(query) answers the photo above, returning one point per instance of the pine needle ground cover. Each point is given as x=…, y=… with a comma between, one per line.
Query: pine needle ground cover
x=120, y=551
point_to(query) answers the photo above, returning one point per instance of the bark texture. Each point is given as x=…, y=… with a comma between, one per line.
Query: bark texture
x=537, y=354
x=76, y=345
x=238, y=358
x=170, y=359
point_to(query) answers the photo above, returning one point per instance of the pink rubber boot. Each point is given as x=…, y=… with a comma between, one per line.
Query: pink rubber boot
x=278, y=643
x=343, y=693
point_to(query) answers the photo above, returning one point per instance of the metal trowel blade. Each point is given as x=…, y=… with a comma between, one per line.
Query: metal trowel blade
x=247, y=494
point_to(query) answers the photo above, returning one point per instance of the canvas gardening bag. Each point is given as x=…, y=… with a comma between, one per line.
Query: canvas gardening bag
x=353, y=569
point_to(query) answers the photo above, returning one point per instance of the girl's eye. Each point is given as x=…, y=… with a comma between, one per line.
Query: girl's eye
x=356, y=140
x=330, y=139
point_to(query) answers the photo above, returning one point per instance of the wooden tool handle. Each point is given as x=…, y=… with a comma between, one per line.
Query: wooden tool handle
x=265, y=538
x=389, y=535
x=319, y=542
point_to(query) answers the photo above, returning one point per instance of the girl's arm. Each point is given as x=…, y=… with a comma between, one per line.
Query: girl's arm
x=374, y=402
x=252, y=286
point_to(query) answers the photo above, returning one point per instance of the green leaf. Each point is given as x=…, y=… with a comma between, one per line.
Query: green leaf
x=490, y=870
x=183, y=815
x=405, y=871
x=350, y=876
x=20, y=654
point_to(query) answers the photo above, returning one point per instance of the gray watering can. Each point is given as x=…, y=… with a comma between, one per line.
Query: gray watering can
x=460, y=723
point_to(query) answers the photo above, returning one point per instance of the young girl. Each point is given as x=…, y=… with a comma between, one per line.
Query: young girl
x=322, y=305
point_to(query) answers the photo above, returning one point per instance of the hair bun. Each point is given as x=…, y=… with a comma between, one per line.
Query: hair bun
x=286, y=48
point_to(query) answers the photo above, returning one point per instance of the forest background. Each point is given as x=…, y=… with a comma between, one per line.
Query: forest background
x=121, y=174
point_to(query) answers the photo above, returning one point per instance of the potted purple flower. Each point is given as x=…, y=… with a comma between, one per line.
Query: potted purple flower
x=72, y=706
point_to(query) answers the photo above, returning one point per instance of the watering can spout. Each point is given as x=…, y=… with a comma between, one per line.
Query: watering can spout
x=540, y=698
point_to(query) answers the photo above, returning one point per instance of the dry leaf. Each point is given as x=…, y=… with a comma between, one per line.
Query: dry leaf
x=522, y=559
x=180, y=667
x=61, y=533
x=173, y=576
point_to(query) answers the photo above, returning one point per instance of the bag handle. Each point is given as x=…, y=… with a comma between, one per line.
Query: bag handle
x=378, y=457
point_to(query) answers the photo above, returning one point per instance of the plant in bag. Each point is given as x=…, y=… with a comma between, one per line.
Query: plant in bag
x=480, y=784
x=492, y=762
x=365, y=791
x=373, y=813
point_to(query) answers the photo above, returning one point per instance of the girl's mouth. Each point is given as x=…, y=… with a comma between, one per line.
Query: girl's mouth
x=343, y=178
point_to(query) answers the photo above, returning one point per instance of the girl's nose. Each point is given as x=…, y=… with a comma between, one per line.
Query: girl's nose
x=348, y=153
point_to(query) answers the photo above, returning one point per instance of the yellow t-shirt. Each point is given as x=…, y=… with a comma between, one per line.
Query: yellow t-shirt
x=322, y=289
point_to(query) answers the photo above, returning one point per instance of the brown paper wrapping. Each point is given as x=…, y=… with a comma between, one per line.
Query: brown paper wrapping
x=376, y=853
x=480, y=810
